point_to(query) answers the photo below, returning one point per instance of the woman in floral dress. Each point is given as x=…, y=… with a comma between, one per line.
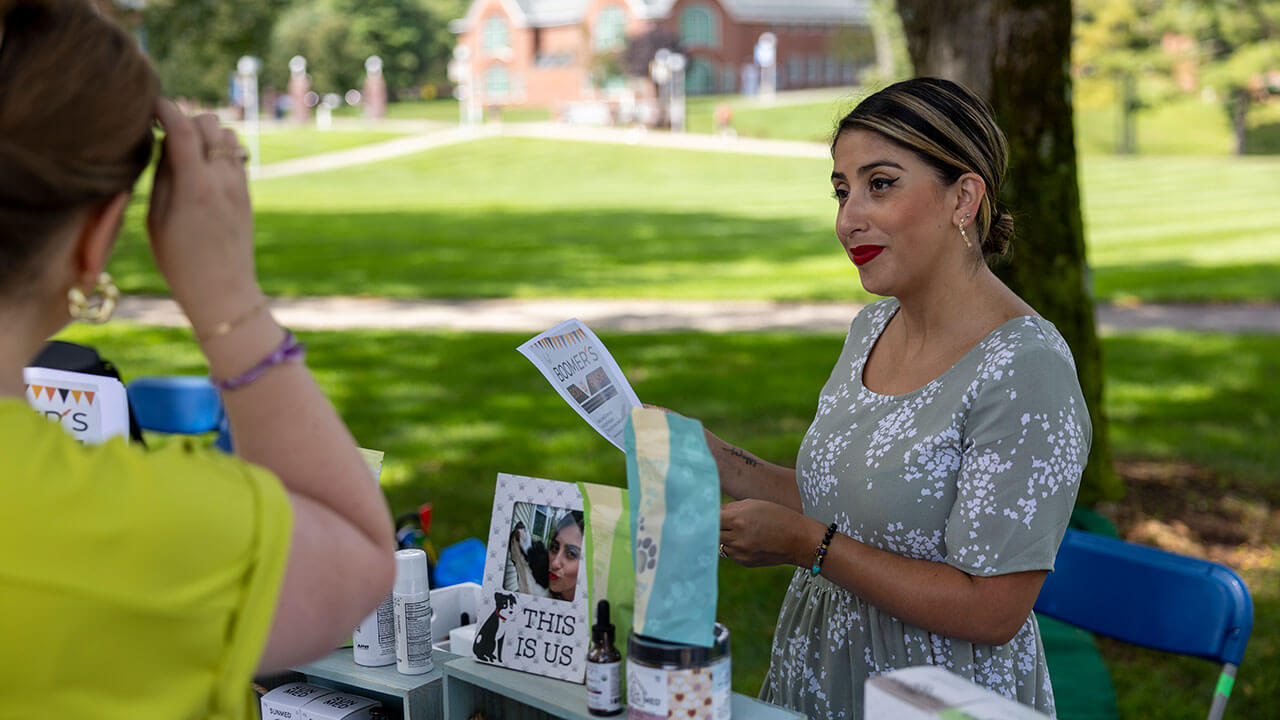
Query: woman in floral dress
x=945, y=455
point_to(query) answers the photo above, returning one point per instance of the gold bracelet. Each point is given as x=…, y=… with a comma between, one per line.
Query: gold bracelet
x=227, y=326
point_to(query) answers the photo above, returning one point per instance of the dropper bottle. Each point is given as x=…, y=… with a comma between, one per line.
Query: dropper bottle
x=604, y=667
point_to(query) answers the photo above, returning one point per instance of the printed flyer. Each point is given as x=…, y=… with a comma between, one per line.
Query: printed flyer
x=579, y=367
x=92, y=408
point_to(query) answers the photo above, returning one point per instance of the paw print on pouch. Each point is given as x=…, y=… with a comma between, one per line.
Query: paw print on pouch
x=646, y=551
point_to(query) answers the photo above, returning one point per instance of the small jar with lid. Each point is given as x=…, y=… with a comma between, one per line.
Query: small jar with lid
x=675, y=680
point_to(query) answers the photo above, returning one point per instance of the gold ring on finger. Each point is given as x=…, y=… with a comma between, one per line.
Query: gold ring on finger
x=227, y=151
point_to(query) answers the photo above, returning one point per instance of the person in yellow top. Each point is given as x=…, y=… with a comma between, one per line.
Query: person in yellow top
x=155, y=585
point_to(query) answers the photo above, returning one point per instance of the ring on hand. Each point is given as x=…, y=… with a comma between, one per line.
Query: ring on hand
x=227, y=151
x=723, y=554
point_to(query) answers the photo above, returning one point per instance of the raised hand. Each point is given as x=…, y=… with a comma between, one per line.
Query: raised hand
x=200, y=220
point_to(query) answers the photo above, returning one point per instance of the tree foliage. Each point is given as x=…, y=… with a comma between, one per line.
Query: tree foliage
x=640, y=49
x=337, y=36
x=1231, y=45
x=195, y=43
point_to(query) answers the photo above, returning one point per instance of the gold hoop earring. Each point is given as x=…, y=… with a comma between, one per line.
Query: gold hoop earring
x=99, y=307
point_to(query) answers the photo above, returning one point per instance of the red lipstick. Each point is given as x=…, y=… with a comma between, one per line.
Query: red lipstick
x=863, y=254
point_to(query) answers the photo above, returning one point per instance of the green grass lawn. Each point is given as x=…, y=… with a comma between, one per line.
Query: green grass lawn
x=1152, y=684
x=452, y=410
x=532, y=218
x=441, y=110
x=1169, y=124
x=445, y=110
x=1183, y=228
x=286, y=143
x=812, y=119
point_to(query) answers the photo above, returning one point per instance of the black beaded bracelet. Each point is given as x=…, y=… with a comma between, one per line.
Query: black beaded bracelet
x=821, y=553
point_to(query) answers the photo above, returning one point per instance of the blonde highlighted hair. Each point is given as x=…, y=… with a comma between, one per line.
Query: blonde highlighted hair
x=951, y=129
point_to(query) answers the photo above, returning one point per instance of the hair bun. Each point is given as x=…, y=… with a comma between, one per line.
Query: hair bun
x=998, y=235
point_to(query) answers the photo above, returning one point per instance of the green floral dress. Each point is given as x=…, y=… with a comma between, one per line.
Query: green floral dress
x=978, y=469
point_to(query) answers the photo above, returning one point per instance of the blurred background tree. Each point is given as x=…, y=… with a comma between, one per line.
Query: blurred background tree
x=336, y=36
x=195, y=44
x=1227, y=51
x=1118, y=40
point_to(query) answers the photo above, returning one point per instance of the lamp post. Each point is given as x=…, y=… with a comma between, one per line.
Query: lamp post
x=375, y=89
x=667, y=71
x=661, y=74
x=676, y=62
x=766, y=56
x=299, y=87
x=460, y=74
x=324, y=111
x=247, y=70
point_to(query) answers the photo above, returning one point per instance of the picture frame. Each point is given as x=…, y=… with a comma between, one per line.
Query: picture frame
x=533, y=603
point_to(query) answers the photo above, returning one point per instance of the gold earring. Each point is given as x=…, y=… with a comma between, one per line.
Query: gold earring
x=98, y=308
x=964, y=234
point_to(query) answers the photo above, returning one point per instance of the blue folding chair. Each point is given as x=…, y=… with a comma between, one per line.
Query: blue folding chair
x=1152, y=598
x=181, y=404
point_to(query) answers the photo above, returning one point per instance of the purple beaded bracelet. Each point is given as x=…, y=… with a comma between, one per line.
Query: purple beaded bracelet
x=290, y=349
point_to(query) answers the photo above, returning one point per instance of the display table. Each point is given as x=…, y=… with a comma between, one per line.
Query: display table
x=459, y=686
x=418, y=697
x=470, y=686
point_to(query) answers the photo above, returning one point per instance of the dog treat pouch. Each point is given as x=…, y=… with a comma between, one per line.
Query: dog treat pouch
x=607, y=515
x=675, y=526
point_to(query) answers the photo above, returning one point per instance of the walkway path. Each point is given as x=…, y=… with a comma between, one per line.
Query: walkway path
x=628, y=315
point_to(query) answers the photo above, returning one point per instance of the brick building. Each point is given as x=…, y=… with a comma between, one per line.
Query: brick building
x=549, y=52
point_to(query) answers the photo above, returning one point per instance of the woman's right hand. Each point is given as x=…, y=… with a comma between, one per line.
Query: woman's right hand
x=200, y=220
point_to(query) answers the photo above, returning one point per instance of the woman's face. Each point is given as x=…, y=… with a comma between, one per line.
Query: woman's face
x=895, y=217
x=565, y=551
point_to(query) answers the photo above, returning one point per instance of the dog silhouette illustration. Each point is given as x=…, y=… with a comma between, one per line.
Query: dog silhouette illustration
x=488, y=643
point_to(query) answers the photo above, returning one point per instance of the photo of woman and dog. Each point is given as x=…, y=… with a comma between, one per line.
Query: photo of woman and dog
x=544, y=551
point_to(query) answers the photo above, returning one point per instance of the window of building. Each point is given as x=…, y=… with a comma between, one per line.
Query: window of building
x=698, y=27
x=815, y=69
x=728, y=79
x=495, y=34
x=795, y=71
x=833, y=71
x=553, y=60
x=611, y=29
x=497, y=84
x=699, y=78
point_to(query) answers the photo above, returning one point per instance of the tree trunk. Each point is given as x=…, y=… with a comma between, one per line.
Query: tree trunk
x=882, y=39
x=1127, y=143
x=1239, y=104
x=1016, y=53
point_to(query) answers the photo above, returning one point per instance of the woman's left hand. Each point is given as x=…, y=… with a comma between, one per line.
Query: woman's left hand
x=759, y=533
